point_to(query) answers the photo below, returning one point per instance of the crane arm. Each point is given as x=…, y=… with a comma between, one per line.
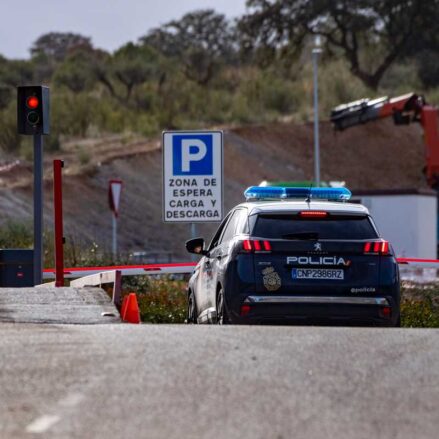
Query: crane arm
x=404, y=110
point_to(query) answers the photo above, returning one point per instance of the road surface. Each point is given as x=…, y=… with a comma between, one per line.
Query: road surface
x=57, y=305
x=160, y=381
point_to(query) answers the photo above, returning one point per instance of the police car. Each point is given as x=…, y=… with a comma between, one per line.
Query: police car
x=295, y=255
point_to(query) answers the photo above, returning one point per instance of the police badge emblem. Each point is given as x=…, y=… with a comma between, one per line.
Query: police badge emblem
x=271, y=279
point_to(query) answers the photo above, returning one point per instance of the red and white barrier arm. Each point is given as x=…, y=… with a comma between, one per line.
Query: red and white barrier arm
x=418, y=263
x=188, y=267
x=127, y=270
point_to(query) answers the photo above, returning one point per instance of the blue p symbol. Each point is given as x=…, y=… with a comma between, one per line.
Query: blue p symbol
x=192, y=155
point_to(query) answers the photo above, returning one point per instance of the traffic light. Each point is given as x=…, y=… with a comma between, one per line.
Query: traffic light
x=33, y=110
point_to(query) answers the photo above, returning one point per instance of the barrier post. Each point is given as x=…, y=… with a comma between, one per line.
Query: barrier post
x=58, y=220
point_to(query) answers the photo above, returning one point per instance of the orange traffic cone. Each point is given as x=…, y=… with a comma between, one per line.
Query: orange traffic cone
x=132, y=312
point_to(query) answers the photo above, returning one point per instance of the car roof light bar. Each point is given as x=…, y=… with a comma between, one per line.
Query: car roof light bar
x=289, y=193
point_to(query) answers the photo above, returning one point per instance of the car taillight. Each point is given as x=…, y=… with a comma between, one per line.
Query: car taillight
x=376, y=248
x=386, y=312
x=254, y=245
x=245, y=309
x=247, y=245
x=313, y=214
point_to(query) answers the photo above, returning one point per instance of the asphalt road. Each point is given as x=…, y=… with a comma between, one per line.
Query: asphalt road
x=159, y=381
x=57, y=305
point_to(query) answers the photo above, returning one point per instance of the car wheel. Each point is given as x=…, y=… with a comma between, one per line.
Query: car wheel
x=191, y=309
x=221, y=313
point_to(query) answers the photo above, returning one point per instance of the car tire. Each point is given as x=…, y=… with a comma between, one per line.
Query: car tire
x=191, y=309
x=221, y=313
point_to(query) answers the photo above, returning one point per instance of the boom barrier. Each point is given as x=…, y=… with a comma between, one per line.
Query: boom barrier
x=126, y=270
x=188, y=267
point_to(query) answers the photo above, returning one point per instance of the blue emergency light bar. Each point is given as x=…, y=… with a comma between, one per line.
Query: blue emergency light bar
x=287, y=193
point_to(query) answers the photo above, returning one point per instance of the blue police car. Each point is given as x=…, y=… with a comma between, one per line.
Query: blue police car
x=295, y=255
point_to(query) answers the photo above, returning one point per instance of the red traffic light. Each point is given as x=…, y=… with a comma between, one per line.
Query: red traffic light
x=33, y=110
x=32, y=102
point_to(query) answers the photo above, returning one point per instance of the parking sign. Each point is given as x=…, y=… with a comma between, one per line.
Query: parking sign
x=192, y=176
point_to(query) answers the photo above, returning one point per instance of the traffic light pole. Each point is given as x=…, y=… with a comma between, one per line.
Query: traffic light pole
x=38, y=209
x=33, y=119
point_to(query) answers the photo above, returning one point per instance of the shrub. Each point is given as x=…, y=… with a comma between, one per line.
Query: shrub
x=164, y=300
x=9, y=139
x=16, y=235
x=401, y=78
x=26, y=149
x=420, y=306
x=83, y=156
x=337, y=85
x=161, y=300
x=72, y=113
x=52, y=142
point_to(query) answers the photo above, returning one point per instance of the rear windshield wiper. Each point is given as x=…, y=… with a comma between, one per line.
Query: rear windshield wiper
x=301, y=235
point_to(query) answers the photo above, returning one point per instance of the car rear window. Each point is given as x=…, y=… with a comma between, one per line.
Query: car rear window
x=294, y=227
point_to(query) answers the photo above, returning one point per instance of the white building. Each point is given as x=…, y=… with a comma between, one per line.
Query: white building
x=406, y=218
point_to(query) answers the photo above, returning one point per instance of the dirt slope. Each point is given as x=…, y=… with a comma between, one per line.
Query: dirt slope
x=374, y=156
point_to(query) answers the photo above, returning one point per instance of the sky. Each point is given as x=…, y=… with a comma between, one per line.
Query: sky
x=110, y=23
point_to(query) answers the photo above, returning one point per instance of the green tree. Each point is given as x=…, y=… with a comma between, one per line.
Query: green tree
x=12, y=74
x=428, y=67
x=99, y=64
x=51, y=49
x=200, y=40
x=132, y=65
x=9, y=138
x=16, y=72
x=5, y=96
x=383, y=29
x=57, y=45
x=77, y=72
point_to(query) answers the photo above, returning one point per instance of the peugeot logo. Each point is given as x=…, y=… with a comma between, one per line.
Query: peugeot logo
x=317, y=246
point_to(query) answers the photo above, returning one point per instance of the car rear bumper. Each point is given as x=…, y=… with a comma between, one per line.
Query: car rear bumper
x=332, y=310
x=319, y=300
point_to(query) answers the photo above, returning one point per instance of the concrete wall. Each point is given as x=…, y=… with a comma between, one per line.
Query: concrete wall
x=409, y=222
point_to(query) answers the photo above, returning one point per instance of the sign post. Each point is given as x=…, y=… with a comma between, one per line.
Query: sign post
x=38, y=209
x=315, y=56
x=114, y=191
x=192, y=177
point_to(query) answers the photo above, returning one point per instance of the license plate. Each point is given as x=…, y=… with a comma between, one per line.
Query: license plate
x=317, y=273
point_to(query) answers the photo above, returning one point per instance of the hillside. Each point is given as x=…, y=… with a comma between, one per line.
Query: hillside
x=374, y=156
